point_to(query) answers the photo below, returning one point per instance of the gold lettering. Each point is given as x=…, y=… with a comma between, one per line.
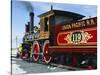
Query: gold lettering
x=92, y=21
x=83, y=23
x=63, y=27
x=66, y=27
x=69, y=26
x=79, y=24
x=87, y=21
x=75, y=25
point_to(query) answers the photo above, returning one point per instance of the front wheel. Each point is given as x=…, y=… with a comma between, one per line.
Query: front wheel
x=36, y=50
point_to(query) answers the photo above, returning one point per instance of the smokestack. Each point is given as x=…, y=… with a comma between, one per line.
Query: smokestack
x=27, y=27
x=51, y=7
x=31, y=22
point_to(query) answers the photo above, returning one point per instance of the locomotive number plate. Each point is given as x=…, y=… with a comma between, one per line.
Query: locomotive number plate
x=78, y=37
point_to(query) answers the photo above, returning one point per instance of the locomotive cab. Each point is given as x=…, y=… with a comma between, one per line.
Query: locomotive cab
x=55, y=17
x=46, y=19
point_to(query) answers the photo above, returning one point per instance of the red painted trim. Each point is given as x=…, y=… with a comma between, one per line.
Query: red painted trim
x=92, y=31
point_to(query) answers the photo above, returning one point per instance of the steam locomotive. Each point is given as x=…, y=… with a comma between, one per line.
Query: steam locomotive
x=63, y=37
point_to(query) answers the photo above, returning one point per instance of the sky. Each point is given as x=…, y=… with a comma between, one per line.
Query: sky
x=20, y=14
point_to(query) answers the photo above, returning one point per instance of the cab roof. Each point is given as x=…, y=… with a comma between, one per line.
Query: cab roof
x=62, y=13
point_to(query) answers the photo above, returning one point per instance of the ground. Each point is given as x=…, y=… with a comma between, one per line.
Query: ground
x=20, y=67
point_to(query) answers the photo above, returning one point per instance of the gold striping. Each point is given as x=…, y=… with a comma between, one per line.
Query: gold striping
x=72, y=46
